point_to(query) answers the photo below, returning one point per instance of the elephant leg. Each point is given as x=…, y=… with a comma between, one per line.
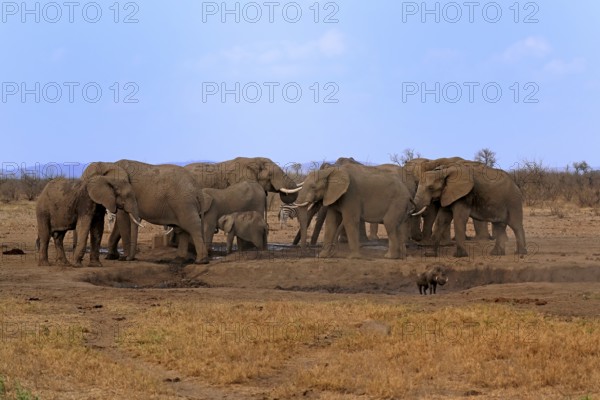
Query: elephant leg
x=520, y=236
x=43, y=240
x=314, y=210
x=481, y=230
x=341, y=236
x=429, y=217
x=499, y=229
x=244, y=245
x=362, y=232
x=353, y=225
x=443, y=220
x=210, y=224
x=396, y=239
x=332, y=222
x=230, y=237
x=321, y=214
x=113, y=242
x=96, y=231
x=460, y=214
x=193, y=226
x=82, y=230
x=124, y=224
x=415, y=228
x=182, y=248
x=61, y=258
x=373, y=228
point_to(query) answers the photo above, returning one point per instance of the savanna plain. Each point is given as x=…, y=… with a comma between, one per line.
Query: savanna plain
x=282, y=324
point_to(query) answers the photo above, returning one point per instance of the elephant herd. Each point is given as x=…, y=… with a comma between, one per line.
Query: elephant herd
x=418, y=201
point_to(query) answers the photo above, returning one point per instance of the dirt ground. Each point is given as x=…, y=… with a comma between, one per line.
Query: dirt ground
x=560, y=277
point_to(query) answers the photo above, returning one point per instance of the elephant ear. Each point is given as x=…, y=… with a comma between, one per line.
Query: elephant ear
x=207, y=200
x=459, y=182
x=337, y=184
x=226, y=223
x=101, y=192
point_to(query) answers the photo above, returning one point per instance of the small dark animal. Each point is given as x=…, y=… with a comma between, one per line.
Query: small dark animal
x=430, y=279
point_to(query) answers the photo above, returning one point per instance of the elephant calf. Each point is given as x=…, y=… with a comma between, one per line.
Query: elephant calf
x=430, y=279
x=247, y=226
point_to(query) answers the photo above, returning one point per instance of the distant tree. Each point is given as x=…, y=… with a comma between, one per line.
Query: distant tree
x=406, y=156
x=486, y=156
x=31, y=186
x=581, y=167
x=297, y=167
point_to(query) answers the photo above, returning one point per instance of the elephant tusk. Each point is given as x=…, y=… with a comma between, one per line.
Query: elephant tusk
x=136, y=222
x=300, y=184
x=168, y=231
x=311, y=206
x=290, y=191
x=302, y=204
x=420, y=212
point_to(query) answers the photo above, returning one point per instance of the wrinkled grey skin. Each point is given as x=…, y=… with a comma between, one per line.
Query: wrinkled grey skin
x=430, y=279
x=243, y=196
x=353, y=194
x=249, y=226
x=166, y=195
x=67, y=205
x=244, y=169
x=473, y=190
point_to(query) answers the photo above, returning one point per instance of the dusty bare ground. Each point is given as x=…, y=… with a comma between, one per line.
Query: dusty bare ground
x=105, y=332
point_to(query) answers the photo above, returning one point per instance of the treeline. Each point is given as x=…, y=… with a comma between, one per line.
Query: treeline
x=541, y=186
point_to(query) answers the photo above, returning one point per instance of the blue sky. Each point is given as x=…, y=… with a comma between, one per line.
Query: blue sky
x=360, y=68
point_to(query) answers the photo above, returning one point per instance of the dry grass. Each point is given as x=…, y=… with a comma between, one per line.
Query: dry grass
x=322, y=347
x=51, y=354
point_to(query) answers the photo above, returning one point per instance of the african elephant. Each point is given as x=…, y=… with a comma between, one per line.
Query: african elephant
x=355, y=193
x=415, y=168
x=472, y=189
x=67, y=204
x=404, y=174
x=166, y=195
x=243, y=196
x=249, y=226
x=244, y=169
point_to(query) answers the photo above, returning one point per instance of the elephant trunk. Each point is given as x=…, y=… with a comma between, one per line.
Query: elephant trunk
x=304, y=221
x=134, y=215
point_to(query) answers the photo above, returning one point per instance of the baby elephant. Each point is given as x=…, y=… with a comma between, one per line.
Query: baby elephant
x=248, y=226
x=430, y=279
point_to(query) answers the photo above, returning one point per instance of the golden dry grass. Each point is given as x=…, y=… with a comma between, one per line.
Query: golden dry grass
x=50, y=352
x=322, y=346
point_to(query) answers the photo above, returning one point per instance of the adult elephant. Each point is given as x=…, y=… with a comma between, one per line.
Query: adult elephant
x=166, y=195
x=68, y=204
x=243, y=196
x=261, y=170
x=355, y=193
x=415, y=169
x=483, y=193
x=320, y=212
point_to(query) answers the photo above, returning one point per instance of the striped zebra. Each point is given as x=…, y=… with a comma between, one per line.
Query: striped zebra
x=111, y=220
x=287, y=211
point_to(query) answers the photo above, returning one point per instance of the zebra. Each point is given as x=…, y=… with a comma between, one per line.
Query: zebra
x=111, y=220
x=286, y=211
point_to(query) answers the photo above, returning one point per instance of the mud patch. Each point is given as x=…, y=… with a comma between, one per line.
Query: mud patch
x=369, y=277
x=159, y=277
